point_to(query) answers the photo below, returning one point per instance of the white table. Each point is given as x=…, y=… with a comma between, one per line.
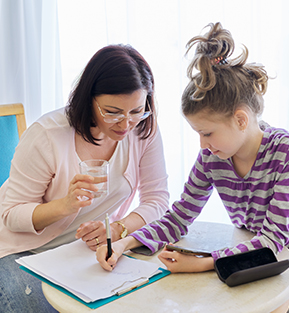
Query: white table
x=193, y=292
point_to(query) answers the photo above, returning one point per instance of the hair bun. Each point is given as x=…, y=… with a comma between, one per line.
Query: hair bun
x=215, y=47
x=220, y=83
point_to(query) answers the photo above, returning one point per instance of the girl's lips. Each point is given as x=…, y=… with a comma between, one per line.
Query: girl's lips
x=215, y=152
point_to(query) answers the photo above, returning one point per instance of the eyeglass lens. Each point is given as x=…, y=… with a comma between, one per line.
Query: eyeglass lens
x=118, y=118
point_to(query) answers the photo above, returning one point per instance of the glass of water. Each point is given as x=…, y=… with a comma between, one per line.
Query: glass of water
x=99, y=169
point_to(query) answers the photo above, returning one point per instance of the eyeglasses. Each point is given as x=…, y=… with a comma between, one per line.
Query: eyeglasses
x=117, y=118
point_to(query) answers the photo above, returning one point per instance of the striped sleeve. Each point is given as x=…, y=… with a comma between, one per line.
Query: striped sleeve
x=174, y=224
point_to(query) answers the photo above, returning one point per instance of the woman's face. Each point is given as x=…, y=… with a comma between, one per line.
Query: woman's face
x=126, y=104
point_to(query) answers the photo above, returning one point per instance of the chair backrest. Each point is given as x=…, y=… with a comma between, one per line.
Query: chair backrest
x=12, y=125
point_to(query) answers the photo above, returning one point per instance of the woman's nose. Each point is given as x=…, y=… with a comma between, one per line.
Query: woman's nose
x=124, y=124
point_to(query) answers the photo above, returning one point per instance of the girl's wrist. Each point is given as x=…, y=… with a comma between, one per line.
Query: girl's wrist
x=207, y=264
x=129, y=243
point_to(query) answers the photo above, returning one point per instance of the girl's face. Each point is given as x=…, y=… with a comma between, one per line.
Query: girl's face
x=223, y=138
x=127, y=105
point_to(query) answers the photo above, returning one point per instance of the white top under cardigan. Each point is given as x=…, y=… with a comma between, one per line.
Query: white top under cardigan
x=119, y=191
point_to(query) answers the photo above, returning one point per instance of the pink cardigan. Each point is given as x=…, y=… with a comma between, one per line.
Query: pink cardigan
x=44, y=163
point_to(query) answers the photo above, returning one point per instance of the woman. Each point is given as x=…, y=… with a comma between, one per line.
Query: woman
x=110, y=116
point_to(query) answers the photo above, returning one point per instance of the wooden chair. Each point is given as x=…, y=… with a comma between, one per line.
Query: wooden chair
x=12, y=125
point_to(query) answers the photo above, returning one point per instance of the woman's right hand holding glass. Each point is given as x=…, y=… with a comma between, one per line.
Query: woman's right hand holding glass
x=79, y=193
x=80, y=188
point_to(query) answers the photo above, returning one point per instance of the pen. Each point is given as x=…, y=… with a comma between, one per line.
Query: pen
x=108, y=237
x=119, y=293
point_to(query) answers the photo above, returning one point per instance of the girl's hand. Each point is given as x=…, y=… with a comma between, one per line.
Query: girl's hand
x=93, y=233
x=180, y=262
x=79, y=194
x=101, y=254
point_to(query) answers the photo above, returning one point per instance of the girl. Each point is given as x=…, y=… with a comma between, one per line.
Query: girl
x=110, y=116
x=248, y=163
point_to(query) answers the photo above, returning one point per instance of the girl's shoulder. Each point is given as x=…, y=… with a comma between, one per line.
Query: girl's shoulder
x=274, y=146
x=276, y=139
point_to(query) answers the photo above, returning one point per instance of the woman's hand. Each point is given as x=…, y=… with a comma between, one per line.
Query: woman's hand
x=93, y=233
x=77, y=197
x=79, y=193
x=180, y=262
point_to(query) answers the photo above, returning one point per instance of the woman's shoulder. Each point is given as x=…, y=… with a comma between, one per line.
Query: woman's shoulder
x=54, y=123
x=53, y=119
x=138, y=142
x=50, y=127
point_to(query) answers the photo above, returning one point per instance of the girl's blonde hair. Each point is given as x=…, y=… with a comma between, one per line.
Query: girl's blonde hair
x=221, y=84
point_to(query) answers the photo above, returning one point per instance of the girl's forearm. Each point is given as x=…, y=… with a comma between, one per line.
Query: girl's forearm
x=129, y=243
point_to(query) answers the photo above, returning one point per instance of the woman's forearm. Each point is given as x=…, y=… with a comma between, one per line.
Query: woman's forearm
x=53, y=211
x=48, y=213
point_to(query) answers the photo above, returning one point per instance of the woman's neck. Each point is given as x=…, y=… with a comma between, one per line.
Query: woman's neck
x=87, y=150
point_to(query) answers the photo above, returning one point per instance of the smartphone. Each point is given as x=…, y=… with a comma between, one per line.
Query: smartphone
x=187, y=251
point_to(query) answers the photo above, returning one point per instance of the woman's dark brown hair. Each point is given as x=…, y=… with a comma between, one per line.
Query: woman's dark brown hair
x=113, y=70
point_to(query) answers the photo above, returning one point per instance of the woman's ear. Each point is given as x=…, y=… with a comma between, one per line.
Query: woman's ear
x=242, y=119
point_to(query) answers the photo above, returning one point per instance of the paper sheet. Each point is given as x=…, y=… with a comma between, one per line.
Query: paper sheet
x=74, y=267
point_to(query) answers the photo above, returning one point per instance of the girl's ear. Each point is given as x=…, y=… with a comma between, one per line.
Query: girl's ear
x=242, y=119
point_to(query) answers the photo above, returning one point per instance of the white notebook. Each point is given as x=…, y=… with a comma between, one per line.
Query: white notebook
x=74, y=267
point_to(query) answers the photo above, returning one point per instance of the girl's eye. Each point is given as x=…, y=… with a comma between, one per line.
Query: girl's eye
x=207, y=135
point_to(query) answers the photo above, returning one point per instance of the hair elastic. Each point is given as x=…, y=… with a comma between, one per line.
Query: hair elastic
x=219, y=60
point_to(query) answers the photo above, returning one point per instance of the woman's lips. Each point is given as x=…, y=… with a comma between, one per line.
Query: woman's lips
x=121, y=133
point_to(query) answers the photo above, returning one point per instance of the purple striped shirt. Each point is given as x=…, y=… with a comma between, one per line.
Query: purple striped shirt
x=258, y=201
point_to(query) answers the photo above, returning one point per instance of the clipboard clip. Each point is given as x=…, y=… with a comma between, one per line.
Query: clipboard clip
x=131, y=285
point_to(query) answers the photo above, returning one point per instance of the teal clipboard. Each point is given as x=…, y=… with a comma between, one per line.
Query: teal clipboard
x=98, y=303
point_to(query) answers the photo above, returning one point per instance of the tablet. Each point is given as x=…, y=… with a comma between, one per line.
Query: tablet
x=188, y=250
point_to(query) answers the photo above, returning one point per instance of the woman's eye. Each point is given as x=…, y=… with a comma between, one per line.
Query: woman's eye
x=207, y=135
x=113, y=113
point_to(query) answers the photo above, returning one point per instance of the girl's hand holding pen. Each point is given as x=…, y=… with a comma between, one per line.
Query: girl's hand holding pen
x=101, y=255
x=118, y=249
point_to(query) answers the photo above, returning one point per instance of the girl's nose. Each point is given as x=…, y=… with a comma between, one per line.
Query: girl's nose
x=204, y=143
